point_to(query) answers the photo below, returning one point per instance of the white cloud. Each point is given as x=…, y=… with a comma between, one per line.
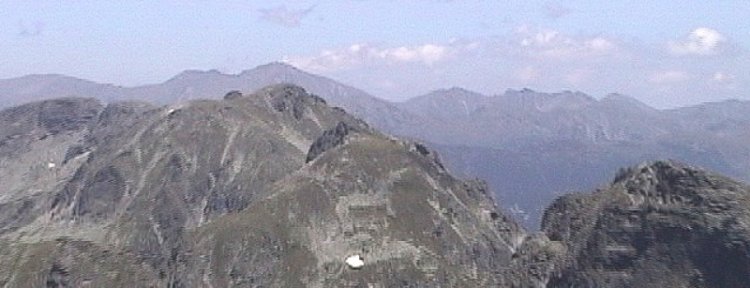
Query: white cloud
x=668, y=77
x=722, y=77
x=364, y=54
x=701, y=41
x=553, y=44
x=528, y=44
x=598, y=44
x=542, y=59
x=283, y=16
x=427, y=53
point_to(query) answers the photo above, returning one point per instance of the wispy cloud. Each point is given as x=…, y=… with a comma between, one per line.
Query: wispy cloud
x=722, y=77
x=533, y=45
x=668, y=77
x=701, y=41
x=357, y=55
x=284, y=16
x=541, y=58
x=554, y=44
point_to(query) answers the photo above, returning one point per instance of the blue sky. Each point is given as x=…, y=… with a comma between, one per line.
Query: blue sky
x=666, y=53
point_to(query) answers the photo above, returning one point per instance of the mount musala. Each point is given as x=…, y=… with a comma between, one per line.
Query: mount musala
x=277, y=189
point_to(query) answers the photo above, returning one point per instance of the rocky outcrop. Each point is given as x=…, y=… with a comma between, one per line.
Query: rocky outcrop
x=291, y=99
x=330, y=138
x=660, y=224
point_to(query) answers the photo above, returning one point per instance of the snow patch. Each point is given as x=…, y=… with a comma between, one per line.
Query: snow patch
x=355, y=261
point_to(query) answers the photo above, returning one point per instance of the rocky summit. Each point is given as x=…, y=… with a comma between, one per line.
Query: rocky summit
x=275, y=188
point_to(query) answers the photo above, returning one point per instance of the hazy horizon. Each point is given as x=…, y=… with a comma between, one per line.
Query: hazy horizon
x=492, y=94
x=666, y=54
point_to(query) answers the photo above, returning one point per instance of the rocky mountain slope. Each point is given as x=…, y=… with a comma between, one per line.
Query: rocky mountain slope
x=272, y=189
x=278, y=189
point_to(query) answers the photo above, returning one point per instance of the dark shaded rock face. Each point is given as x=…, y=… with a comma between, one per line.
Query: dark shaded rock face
x=330, y=138
x=661, y=224
x=57, y=277
x=66, y=115
x=231, y=95
x=33, y=122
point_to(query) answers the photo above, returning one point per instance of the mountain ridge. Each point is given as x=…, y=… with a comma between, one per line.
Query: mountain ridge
x=282, y=68
x=522, y=131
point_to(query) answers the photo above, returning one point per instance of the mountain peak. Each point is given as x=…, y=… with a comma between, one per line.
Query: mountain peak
x=565, y=100
x=288, y=97
x=286, y=90
x=657, y=179
x=448, y=103
x=452, y=92
x=273, y=67
x=455, y=90
x=193, y=74
x=671, y=184
x=48, y=79
x=655, y=170
x=621, y=99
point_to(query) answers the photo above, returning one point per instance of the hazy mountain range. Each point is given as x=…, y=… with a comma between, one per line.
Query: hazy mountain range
x=530, y=146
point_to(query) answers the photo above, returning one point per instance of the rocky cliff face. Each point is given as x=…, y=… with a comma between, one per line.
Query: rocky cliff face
x=270, y=189
x=660, y=224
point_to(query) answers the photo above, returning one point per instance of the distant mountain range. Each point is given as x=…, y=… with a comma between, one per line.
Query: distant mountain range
x=530, y=146
x=194, y=84
x=533, y=147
